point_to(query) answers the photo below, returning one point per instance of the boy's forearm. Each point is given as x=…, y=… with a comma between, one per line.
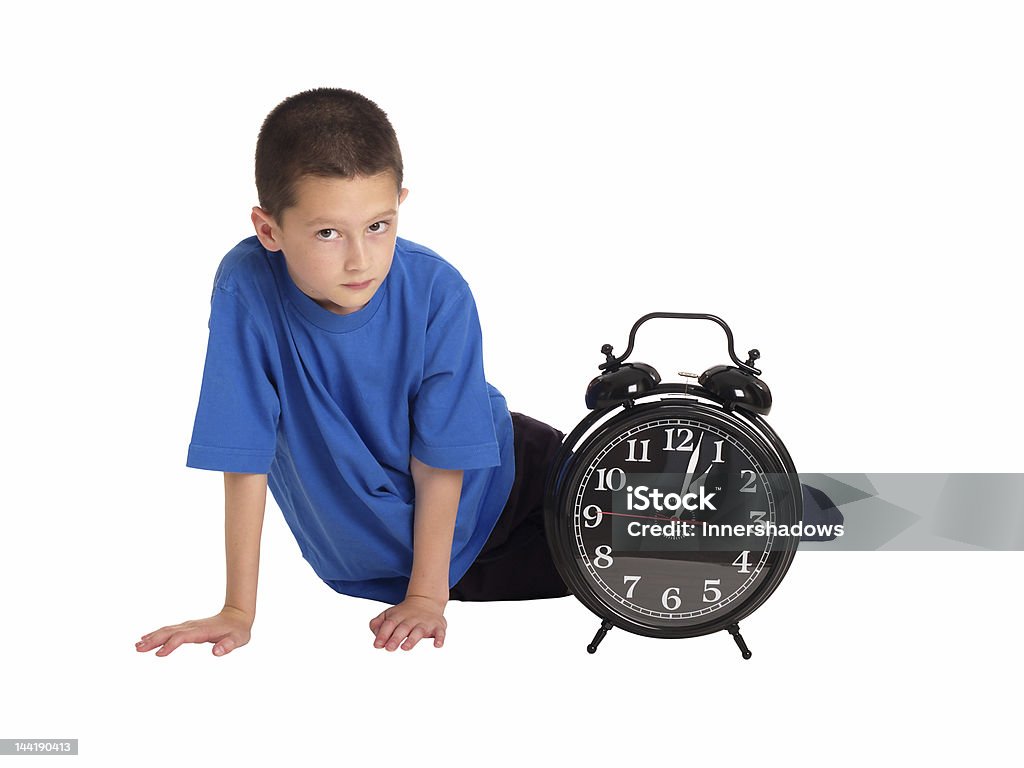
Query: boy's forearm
x=436, y=505
x=245, y=499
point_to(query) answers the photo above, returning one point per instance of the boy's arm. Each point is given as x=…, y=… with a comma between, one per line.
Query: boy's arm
x=421, y=614
x=437, y=502
x=245, y=497
x=245, y=501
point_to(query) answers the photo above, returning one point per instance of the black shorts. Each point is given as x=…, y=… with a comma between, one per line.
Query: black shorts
x=515, y=563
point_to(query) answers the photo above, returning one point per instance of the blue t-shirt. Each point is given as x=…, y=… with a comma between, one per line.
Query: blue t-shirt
x=331, y=407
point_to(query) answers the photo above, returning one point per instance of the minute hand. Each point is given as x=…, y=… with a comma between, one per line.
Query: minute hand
x=691, y=476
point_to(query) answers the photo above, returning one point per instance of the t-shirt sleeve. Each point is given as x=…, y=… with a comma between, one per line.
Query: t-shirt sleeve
x=452, y=422
x=236, y=421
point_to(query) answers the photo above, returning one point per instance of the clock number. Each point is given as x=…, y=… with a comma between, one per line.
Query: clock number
x=718, y=453
x=673, y=432
x=592, y=512
x=632, y=450
x=671, y=596
x=603, y=559
x=709, y=587
x=751, y=486
x=610, y=476
x=634, y=579
x=742, y=562
x=757, y=515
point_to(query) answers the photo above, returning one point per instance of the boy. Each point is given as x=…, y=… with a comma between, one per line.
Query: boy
x=344, y=371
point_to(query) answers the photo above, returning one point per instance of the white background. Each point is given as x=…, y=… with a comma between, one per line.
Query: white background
x=841, y=182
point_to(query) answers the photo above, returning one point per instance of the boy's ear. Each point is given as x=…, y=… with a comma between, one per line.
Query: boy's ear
x=402, y=195
x=266, y=228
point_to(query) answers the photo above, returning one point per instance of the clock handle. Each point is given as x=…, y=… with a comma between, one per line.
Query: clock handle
x=614, y=362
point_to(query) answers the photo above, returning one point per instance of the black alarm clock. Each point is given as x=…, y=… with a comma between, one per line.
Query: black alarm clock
x=673, y=510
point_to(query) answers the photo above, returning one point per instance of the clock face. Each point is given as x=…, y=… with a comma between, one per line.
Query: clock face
x=677, y=522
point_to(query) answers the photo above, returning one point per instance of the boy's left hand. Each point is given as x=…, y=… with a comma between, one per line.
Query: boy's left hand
x=411, y=620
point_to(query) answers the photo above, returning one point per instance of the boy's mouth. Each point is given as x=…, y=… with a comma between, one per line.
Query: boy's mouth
x=357, y=286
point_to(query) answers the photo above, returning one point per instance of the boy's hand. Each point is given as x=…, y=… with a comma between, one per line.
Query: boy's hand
x=411, y=620
x=229, y=629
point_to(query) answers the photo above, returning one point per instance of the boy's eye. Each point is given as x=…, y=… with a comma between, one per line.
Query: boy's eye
x=327, y=234
x=379, y=226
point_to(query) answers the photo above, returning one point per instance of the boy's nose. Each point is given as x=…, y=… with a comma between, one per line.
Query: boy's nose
x=356, y=259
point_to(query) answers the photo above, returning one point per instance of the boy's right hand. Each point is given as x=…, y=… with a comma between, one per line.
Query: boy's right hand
x=228, y=630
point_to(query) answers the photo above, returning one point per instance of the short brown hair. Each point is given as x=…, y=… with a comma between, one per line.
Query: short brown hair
x=328, y=132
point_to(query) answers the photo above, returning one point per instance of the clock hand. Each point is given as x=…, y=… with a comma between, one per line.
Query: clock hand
x=690, y=478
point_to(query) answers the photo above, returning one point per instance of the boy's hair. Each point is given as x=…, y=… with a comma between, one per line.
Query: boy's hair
x=328, y=132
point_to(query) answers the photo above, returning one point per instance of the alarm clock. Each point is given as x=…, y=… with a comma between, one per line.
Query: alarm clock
x=673, y=510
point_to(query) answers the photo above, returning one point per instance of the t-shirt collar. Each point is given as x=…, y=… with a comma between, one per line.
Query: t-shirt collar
x=323, y=318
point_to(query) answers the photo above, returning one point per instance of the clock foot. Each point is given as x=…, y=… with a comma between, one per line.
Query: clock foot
x=734, y=630
x=605, y=626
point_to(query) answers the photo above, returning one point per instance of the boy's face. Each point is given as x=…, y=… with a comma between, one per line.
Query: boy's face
x=338, y=239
